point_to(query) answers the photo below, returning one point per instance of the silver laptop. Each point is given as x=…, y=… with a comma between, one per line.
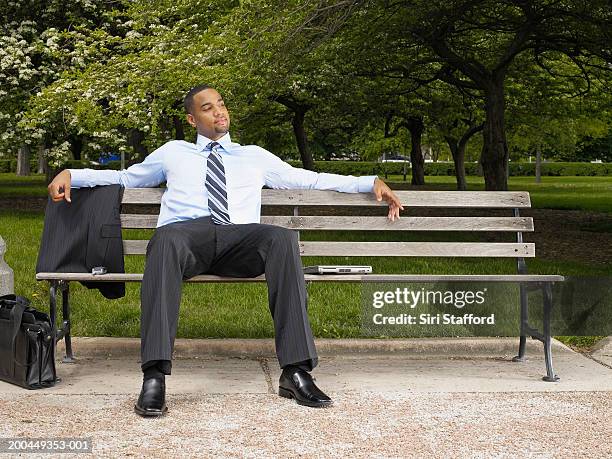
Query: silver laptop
x=337, y=269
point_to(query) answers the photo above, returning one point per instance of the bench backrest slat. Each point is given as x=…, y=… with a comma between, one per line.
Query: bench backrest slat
x=392, y=249
x=498, y=199
x=359, y=223
x=288, y=203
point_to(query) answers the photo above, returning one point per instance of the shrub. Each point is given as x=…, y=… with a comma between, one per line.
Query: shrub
x=448, y=169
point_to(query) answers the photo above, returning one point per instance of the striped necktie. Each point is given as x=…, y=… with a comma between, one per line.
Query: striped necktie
x=215, y=185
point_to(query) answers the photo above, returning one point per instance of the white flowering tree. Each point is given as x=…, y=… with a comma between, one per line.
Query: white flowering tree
x=128, y=98
x=39, y=42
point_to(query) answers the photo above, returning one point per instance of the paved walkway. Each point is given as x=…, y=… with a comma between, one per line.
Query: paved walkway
x=409, y=398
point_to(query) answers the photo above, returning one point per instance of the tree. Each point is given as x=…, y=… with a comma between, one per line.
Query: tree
x=592, y=149
x=335, y=71
x=35, y=50
x=130, y=96
x=265, y=69
x=550, y=114
x=457, y=30
x=476, y=42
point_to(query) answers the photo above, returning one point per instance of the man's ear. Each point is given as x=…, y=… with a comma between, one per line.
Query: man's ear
x=191, y=120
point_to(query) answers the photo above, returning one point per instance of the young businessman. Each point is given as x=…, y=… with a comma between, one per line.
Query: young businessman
x=209, y=223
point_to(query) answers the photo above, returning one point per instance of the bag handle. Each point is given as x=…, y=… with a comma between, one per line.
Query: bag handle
x=16, y=315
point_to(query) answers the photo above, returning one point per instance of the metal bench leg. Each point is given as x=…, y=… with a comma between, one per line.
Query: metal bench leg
x=64, y=331
x=69, y=357
x=524, y=325
x=53, y=307
x=550, y=373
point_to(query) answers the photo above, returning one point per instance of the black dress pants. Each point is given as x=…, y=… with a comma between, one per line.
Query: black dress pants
x=181, y=250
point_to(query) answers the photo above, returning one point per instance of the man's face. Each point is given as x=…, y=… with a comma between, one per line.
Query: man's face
x=209, y=114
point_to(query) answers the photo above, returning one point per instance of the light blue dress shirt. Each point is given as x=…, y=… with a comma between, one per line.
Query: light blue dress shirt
x=182, y=165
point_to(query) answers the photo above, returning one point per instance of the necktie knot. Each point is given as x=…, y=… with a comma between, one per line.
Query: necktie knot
x=212, y=145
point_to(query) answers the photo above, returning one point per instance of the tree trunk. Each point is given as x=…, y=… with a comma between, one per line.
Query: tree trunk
x=416, y=127
x=495, y=147
x=458, y=148
x=459, y=161
x=435, y=153
x=300, y=137
x=538, y=171
x=299, y=109
x=76, y=146
x=42, y=160
x=23, y=160
x=136, y=139
x=179, y=130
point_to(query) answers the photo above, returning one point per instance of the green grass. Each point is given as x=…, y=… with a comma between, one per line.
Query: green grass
x=13, y=186
x=580, y=343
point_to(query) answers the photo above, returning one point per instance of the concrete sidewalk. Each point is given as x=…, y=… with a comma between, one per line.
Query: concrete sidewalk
x=428, y=397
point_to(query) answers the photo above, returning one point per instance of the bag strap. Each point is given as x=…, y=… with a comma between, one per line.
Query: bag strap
x=19, y=306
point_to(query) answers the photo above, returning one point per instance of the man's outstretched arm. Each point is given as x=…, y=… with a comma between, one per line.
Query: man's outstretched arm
x=148, y=173
x=279, y=174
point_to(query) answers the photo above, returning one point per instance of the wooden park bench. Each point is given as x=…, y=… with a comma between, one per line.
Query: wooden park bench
x=291, y=202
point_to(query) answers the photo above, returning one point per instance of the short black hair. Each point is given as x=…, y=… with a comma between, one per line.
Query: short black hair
x=188, y=101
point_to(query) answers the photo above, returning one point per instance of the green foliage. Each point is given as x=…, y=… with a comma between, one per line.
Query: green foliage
x=40, y=42
x=97, y=73
x=552, y=113
x=10, y=165
x=562, y=169
x=592, y=148
x=357, y=168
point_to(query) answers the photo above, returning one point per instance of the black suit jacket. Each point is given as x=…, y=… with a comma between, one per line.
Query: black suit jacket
x=85, y=233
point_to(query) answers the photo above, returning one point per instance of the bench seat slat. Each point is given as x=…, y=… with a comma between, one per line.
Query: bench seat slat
x=497, y=199
x=358, y=223
x=391, y=249
x=136, y=277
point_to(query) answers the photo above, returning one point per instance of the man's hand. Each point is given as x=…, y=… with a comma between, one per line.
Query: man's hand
x=59, y=188
x=382, y=191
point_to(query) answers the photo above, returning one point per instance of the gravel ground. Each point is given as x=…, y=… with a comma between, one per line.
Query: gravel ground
x=360, y=424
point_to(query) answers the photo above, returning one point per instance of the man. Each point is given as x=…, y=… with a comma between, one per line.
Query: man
x=209, y=223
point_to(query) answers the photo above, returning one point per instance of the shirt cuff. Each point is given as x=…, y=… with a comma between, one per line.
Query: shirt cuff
x=365, y=184
x=78, y=178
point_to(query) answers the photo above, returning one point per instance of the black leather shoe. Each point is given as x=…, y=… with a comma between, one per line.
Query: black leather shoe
x=299, y=384
x=152, y=399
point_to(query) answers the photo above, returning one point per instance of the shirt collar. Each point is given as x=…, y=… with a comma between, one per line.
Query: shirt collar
x=203, y=141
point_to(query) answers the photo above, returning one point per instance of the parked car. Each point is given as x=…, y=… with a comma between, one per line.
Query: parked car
x=393, y=159
x=107, y=157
